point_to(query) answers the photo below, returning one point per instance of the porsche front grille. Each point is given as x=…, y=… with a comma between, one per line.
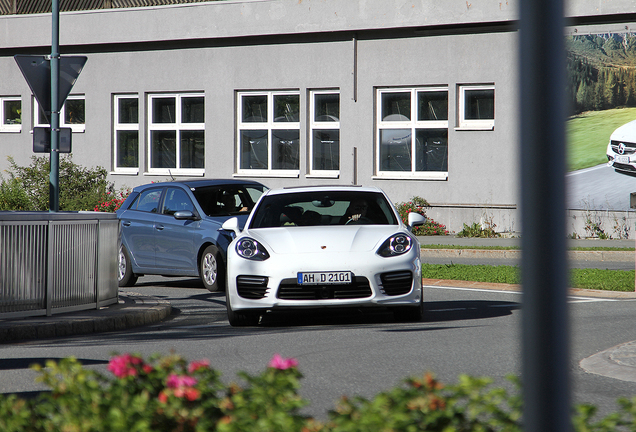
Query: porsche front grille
x=397, y=283
x=290, y=290
x=252, y=287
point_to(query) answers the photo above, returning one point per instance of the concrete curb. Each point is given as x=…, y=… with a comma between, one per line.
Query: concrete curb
x=515, y=254
x=132, y=310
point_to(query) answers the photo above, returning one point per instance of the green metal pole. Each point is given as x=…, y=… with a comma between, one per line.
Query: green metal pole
x=54, y=176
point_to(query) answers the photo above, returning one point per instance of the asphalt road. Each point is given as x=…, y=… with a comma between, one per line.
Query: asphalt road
x=599, y=188
x=347, y=353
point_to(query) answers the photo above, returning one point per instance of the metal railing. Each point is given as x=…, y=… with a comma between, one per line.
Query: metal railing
x=57, y=262
x=19, y=7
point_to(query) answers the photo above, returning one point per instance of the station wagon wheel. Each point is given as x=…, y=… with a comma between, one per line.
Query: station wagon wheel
x=211, y=269
x=125, y=275
x=242, y=318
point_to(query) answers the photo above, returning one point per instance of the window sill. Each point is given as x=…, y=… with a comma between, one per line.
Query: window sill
x=267, y=174
x=327, y=175
x=125, y=171
x=7, y=130
x=475, y=128
x=176, y=173
x=438, y=176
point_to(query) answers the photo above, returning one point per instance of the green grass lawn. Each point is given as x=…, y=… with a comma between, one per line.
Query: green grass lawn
x=588, y=135
x=610, y=280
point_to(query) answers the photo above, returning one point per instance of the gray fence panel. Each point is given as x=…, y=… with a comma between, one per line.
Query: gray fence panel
x=57, y=262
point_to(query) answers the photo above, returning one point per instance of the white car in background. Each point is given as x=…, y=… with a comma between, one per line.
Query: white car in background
x=323, y=247
x=621, y=150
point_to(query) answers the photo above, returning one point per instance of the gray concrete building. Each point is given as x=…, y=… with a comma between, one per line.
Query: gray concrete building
x=418, y=97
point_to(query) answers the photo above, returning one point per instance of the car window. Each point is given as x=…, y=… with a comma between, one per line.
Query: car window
x=228, y=200
x=147, y=201
x=176, y=200
x=321, y=208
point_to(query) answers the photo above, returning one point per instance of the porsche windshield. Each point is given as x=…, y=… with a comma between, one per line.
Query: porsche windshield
x=323, y=208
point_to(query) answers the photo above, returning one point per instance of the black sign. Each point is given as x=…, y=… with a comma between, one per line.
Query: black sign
x=42, y=140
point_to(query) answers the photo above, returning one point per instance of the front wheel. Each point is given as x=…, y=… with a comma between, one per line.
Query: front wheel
x=410, y=313
x=125, y=275
x=242, y=318
x=211, y=269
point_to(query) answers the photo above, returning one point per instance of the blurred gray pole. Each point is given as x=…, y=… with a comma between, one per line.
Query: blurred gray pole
x=54, y=175
x=544, y=267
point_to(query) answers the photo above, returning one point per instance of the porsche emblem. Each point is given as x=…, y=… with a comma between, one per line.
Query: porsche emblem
x=323, y=247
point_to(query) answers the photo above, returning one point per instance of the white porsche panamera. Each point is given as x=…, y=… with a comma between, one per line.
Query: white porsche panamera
x=317, y=247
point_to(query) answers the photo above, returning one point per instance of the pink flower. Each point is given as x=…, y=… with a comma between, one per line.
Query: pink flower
x=278, y=362
x=198, y=364
x=179, y=381
x=123, y=366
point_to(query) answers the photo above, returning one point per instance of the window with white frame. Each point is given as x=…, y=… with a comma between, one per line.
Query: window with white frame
x=11, y=114
x=412, y=133
x=476, y=107
x=324, y=124
x=126, y=133
x=72, y=114
x=269, y=132
x=176, y=133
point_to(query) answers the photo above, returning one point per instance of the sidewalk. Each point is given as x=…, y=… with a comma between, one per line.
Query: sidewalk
x=132, y=310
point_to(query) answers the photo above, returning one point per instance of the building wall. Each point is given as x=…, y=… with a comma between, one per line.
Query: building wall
x=356, y=47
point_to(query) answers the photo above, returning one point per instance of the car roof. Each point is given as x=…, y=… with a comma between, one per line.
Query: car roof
x=344, y=188
x=198, y=183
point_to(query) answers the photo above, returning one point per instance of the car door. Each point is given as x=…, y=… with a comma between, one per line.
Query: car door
x=174, y=240
x=138, y=227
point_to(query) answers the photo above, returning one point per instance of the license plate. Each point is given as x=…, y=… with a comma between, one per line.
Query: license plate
x=324, y=278
x=622, y=159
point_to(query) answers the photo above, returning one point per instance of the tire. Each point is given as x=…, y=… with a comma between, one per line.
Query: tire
x=125, y=275
x=243, y=318
x=410, y=313
x=211, y=269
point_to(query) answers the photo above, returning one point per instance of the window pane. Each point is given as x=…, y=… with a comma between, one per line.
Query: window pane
x=12, y=112
x=163, y=110
x=192, y=149
x=176, y=200
x=254, y=149
x=326, y=150
x=396, y=106
x=163, y=149
x=149, y=200
x=74, y=111
x=395, y=150
x=128, y=110
x=192, y=110
x=286, y=108
x=285, y=149
x=127, y=149
x=254, y=109
x=479, y=104
x=327, y=107
x=432, y=105
x=431, y=148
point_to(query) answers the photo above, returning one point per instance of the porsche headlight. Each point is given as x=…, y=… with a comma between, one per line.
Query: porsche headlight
x=251, y=249
x=397, y=244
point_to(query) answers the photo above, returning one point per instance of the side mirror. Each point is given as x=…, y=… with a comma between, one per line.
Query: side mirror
x=184, y=215
x=231, y=224
x=416, y=219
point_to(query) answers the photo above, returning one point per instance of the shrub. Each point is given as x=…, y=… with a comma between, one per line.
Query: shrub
x=112, y=201
x=170, y=394
x=419, y=205
x=476, y=230
x=79, y=188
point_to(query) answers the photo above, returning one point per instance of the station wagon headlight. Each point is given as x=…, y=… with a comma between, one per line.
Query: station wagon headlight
x=251, y=249
x=397, y=244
